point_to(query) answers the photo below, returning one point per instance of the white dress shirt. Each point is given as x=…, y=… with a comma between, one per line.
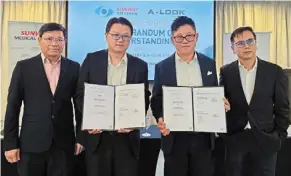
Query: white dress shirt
x=188, y=74
x=248, y=79
x=116, y=75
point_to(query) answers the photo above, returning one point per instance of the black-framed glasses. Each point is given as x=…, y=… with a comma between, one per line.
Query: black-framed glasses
x=51, y=39
x=241, y=44
x=118, y=36
x=189, y=38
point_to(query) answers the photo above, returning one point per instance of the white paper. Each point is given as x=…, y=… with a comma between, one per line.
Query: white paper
x=130, y=106
x=98, y=111
x=289, y=131
x=209, y=111
x=177, y=108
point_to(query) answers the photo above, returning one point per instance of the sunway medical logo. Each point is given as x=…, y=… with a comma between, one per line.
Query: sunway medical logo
x=106, y=12
x=127, y=11
x=27, y=35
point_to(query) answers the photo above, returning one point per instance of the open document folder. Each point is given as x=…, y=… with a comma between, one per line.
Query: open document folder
x=199, y=109
x=113, y=107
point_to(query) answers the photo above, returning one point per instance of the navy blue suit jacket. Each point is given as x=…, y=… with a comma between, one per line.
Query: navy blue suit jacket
x=94, y=71
x=268, y=111
x=165, y=74
x=46, y=117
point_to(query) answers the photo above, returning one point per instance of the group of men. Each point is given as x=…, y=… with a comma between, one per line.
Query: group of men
x=256, y=104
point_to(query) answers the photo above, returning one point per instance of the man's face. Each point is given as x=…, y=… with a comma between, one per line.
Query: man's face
x=244, y=46
x=52, y=43
x=118, y=38
x=185, y=39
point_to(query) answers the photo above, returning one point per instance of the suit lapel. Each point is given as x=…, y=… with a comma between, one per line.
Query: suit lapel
x=171, y=71
x=258, y=81
x=41, y=69
x=62, y=75
x=203, y=70
x=102, y=67
x=237, y=82
x=130, y=76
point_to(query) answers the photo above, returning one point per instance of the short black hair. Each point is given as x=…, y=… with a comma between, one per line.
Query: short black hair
x=240, y=30
x=181, y=21
x=120, y=20
x=52, y=27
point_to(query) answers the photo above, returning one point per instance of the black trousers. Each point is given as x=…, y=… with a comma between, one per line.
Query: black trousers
x=190, y=156
x=113, y=156
x=243, y=157
x=54, y=162
x=148, y=157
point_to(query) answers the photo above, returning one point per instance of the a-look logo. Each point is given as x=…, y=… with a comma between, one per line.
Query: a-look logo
x=173, y=12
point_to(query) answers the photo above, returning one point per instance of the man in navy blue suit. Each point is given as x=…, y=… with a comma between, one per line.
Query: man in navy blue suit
x=113, y=153
x=186, y=153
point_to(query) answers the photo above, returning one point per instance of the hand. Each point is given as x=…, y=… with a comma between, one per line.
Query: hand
x=162, y=127
x=95, y=131
x=125, y=130
x=226, y=104
x=78, y=149
x=12, y=156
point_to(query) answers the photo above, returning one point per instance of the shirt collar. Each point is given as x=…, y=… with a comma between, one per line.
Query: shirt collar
x=254, y=67
x=178, y=58
x=44, y=58
x=123, y=60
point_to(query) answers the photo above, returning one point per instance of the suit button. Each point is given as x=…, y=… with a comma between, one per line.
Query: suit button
x=53, y=101
x=53, y=116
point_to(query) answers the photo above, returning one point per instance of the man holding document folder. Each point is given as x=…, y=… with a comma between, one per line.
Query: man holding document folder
x=186, y=153
x=112, y=80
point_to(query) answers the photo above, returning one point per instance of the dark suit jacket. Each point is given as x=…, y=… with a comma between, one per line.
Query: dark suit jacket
x=46, y=116
x=165, y=74
x=94, y=71
x=268, y=110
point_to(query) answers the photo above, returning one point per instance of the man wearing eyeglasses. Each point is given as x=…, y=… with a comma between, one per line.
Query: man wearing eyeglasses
x=112, y=153
x=258, y=119
x=45, y=84
x=186, y=153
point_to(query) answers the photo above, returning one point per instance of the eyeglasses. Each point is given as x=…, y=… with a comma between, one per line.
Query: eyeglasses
x=241, y=44
x=118, y=36
x=189, y=38
x=51, y=39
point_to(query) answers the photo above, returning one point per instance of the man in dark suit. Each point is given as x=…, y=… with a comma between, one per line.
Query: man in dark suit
x=113, y=153
x=186, y=153
x=258, y=119
x=45, y=84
